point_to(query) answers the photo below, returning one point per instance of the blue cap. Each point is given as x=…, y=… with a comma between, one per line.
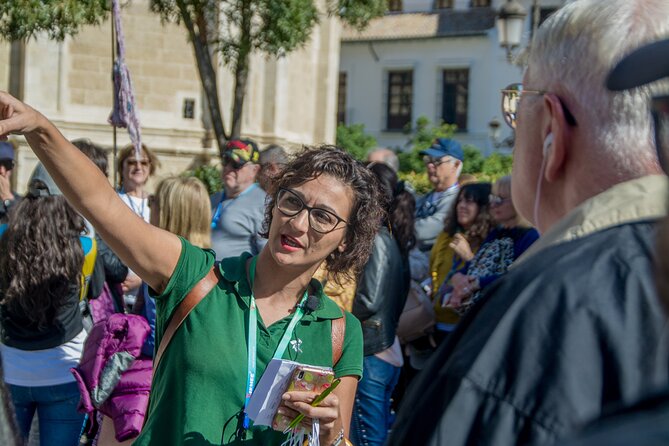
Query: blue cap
x=445, y=147
x=6, y=151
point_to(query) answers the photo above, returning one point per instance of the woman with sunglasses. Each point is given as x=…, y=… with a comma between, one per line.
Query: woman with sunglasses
x=324, y=208
x=133, y=174
x=499, y=250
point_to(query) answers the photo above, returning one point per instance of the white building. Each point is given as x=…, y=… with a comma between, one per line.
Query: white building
x=435, y=58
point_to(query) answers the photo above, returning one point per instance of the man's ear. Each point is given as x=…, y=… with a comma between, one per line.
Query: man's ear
x=556, y=135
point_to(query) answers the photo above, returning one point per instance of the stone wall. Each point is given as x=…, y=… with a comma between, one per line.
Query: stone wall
x=291, y=100
x=4, y=65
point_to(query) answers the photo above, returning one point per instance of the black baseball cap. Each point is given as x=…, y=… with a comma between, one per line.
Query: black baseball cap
x=643, y=66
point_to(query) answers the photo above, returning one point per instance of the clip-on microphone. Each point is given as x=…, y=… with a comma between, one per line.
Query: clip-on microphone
x=311, y=303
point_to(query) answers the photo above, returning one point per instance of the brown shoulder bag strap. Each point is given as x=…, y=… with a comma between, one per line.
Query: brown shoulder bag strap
x=338, y=334
x=194, y=296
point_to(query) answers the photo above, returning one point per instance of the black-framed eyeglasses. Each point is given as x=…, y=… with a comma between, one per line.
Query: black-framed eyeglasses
x=660, y=112
x=436, y=162
x=496, y=200
x=7, y=164
x=511, y=97
x=320, y=220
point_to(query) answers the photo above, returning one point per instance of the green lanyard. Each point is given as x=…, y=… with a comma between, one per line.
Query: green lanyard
x=252, y=338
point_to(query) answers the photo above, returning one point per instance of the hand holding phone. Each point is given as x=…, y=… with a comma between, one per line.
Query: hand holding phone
x=304, y=379
x=319, y=399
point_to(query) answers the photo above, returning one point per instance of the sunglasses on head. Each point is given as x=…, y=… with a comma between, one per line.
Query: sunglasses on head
x=7, y=164
x=496, y=200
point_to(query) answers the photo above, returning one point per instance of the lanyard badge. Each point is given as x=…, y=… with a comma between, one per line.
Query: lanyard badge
x=252, y=344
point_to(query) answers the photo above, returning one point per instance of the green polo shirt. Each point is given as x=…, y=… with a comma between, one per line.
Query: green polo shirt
x=198, y=390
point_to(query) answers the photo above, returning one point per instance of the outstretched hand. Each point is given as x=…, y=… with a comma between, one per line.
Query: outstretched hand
x=16, y=117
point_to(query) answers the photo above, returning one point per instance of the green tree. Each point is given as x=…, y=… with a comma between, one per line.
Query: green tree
x=272, y=27
x=355, y=141
x=233, y=29
x=209, y=175
x=420, y=137
x=22, y=19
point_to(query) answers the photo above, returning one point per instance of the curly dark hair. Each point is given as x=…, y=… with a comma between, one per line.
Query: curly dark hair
x=40, y=257
x=480, y=194
x=400, y=206
x=366, y=213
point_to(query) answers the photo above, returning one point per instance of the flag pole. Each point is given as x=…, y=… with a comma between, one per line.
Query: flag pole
x=113, y=55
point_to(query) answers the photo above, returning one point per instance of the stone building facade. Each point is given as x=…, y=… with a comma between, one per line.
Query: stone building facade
x=290, y=100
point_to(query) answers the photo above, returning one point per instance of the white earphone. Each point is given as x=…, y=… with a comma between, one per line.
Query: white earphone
x=548, y=142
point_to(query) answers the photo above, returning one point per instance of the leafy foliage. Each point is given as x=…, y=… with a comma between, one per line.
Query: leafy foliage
x=421, y=136
x=419, y=182
x=22, y=19
x=209, y=175
x=357, y=13
x=238, y=28
x=355, y=141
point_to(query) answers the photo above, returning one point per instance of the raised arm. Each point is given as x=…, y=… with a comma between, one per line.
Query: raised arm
x=151, y=252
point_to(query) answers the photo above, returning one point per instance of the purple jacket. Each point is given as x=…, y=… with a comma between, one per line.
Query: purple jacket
x=110, y=377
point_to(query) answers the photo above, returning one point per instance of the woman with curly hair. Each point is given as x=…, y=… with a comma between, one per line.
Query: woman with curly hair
x=324, y=208
x=41, y=258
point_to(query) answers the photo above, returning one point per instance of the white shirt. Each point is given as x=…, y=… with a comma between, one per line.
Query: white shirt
x=35, y=368
x=139, y=206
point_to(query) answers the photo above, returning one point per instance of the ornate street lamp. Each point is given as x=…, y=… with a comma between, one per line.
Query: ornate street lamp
x=510, y=23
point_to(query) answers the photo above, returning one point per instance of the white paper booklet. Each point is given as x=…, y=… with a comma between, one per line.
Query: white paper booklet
x=266, y=397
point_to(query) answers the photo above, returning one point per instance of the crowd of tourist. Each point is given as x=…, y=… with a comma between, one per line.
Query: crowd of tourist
x=132, y=317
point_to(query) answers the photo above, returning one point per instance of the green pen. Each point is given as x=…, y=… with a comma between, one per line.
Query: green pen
x=319, y=399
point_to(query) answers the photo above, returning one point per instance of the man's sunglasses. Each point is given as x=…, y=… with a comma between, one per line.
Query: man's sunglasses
x=7, y=164
x=233, y=160
x=511, y=97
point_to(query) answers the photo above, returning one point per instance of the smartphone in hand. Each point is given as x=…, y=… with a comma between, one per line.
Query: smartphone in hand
x=304, y=379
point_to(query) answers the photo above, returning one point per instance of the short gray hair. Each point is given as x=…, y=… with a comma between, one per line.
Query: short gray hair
x=390, y=158
x=273, y=154
x=572, y=54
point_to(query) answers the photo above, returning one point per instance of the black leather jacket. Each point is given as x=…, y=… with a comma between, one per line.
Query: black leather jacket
x=381, y=293
x=108, y=267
